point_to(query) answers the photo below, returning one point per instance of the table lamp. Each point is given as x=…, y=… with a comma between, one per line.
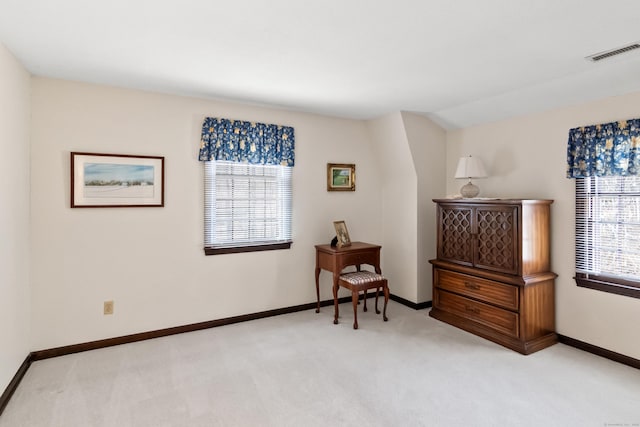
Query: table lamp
x=470, y=167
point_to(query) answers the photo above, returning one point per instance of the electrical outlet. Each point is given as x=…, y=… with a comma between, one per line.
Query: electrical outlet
x=108, y=307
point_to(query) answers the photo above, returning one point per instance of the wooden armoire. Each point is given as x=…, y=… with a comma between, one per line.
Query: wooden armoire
x=492, y=273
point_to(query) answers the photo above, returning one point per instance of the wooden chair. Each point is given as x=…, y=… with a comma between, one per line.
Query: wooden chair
x=362, y=281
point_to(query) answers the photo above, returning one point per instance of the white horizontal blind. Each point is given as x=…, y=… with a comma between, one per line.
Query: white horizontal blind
x=608, y=227
x=246, y=204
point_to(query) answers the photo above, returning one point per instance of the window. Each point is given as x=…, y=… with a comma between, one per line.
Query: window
x=247, y=207
x=608, y=234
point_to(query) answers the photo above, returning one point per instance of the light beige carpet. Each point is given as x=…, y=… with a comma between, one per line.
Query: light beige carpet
x=301, y=370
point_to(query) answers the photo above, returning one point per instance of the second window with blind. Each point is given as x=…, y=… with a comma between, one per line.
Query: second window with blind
x=608, y=234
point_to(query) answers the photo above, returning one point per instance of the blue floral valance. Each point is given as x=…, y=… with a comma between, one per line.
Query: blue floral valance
x=609, y=149
x=246, y=142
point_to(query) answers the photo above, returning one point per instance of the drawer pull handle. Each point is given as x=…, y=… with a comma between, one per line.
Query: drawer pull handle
x=473, y=286
x=472, y=309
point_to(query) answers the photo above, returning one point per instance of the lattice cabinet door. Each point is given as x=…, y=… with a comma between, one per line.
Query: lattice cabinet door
x=455, y=234
x=496, y=238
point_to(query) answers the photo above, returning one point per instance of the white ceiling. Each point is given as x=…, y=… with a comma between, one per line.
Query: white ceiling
x=460, y=62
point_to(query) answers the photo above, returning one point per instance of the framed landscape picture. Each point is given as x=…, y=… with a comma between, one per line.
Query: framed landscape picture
x=341, y=177
x=116, y=180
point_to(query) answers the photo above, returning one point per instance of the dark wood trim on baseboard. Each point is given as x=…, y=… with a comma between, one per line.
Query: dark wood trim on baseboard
x=109, y=342
x=93, y=345
x=599, y=351
x=13, y=385
x=418, y=306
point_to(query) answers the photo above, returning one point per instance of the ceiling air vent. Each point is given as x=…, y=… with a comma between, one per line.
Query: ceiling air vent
x=609, y=53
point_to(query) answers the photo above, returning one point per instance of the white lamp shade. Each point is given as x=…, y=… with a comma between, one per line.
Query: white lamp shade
x=470, y=167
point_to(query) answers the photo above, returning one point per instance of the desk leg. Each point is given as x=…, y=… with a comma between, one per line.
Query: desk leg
x=318, y=289
x=335, y=298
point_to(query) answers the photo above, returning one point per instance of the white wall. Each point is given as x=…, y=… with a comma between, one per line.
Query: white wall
x=410, y=150
x=398, y=186
x=150, y=261
x=14, y=216
x=427, y=142
x=526, y=158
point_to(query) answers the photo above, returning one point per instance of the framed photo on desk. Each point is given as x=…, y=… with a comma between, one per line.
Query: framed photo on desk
x=342, y=234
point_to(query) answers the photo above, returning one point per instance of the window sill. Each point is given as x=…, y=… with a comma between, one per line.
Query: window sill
x=610, y=287
x=251, y=248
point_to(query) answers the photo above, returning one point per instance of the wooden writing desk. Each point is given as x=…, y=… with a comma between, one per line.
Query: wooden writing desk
x=336, y=259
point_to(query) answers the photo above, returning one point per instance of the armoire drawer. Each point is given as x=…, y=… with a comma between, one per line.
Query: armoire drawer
x=496, y=318
x=482, y=289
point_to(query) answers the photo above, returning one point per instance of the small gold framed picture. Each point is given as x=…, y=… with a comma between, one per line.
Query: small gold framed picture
x=342, y=234
x=341, y=177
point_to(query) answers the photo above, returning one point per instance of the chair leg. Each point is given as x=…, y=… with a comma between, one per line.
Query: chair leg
x=386, y=300
x=354, y=298
x=335, y=304
x=377, y=292
x=365, y=300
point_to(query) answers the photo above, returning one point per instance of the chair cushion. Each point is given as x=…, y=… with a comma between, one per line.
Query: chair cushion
x=360, y=277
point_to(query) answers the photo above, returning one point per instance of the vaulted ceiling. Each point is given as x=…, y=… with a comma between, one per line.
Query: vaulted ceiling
x=460, y=62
